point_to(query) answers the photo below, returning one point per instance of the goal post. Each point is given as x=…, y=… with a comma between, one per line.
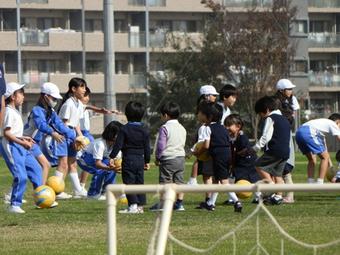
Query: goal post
x=169, y=191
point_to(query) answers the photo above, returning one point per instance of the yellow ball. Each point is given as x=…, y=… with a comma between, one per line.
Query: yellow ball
x=118, y=163
x=81, y=142
x=243, y=195
x=44, y=196
x=123, y=200
x=56, y=183
x=205, y=156
x=331, y=172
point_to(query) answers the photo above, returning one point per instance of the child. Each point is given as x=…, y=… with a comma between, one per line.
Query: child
x=208, y=93
x=134, y=142
x=310, y=138
x=243, y=157
x=336, y=178
x=85, y=125
x=16, y=148
x=228, y=97
x=169, y=152
x=71, y=111
x=95, y=160
x=218, y=144
x=43, y=120
x=275, y=141
x=288, y=105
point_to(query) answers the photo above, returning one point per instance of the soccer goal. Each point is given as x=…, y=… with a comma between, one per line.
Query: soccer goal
x=162, y=234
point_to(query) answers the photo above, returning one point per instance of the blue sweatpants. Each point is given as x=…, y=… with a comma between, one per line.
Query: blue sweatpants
x=22, y=165
x=100, y=179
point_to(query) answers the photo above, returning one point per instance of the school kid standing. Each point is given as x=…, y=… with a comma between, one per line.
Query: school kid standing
x=169, y=152
x=71, y=111
x=15, y=148
x=275, y=142
x=218, y=144
x=310, y=138
x=134, y=143
x=95, y=160
x=44, y=121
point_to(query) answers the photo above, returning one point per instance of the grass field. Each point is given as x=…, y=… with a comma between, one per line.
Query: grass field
x=79, y=226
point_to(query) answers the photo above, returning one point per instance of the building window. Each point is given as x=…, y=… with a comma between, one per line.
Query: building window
x=120, y=26
x=299, y=66
x=299, y=27
x=319, y=26
x=188, y=26
x=94, y=66
x=121, y=67
x=89, y=25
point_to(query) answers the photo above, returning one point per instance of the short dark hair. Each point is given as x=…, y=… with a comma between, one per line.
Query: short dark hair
x=87, y=92
x=334, y=116
x=111, y=130
x=266, y=103
x=233, y=119
x=227, y=91
x=8, y=99
x=171, y=109
x=211, y=110
x=134, y=111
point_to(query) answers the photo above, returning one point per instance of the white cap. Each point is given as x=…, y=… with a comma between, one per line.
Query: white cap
x=51, y=89
x=208, y=90
x=284, y=84
x=11, y=87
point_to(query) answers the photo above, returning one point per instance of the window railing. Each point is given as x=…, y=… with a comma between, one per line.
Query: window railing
x=35, y=79
x=34, y=1
x=324, y=3
x=324, y=79
x=324, y=40
x=247, y=3
x=137, y=81
x=150, y=2
x=138, y=40
x=34, y=38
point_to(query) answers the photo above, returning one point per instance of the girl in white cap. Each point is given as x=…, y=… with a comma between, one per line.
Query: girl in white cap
x=288, y=106
x=16, y=148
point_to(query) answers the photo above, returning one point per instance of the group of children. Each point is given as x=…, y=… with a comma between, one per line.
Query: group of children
x=224, y=153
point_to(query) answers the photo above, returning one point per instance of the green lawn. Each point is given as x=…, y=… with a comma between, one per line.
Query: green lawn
x=79, y=226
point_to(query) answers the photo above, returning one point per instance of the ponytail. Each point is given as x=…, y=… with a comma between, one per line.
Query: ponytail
x=73, y=83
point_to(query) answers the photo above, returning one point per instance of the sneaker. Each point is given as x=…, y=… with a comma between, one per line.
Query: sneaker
x=15, y=209
x=95, y=197
x=140, y=209
x=238, y=207
x=273, y=200
x=102, y=198
x=80, y=194
x=55, y=204
x=288, y=200
x=229, y=202
x=131, y=210
x=7, y=199
x=192, y=182
x=156, y=208
x=256, y=200
x=178, y=207
x=63, y=195
x=204, y=205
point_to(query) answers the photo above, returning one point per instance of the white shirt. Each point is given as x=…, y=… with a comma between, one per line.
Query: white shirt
x=14, y=121
x=226, y=112
x=295, y=104
x=324, y=126
x=100, y=150
x=267, y=133
x=85, y=121
x=72, y=111
x=204, y=133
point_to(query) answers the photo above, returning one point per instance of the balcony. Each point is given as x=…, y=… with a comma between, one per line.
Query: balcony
x=247, y=3
x=328, y=80
x=324, y=40
x=324, y=3
x=150, y=2
x=137, y=81
x=138, y=40
x=34, y=1
x=34, y=38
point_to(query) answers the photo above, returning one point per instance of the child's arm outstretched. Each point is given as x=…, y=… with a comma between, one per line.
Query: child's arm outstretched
x=102, y=110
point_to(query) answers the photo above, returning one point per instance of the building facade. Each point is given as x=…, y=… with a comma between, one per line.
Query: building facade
x=55, y=36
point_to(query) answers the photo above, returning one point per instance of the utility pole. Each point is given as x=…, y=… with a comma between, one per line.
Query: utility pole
x=19, y=65
x=83, y=40
x=110, y=94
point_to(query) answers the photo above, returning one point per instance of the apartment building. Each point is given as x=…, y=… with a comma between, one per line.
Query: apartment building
x=54, y=40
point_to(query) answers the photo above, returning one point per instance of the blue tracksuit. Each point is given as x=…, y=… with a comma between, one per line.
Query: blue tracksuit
x=43, y=122
x=101, y=178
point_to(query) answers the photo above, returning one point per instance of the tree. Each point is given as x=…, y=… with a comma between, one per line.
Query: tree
x=251, y=50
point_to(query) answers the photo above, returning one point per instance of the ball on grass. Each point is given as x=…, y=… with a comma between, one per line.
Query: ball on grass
x=205, y=156
x=243, y=194
x=44, y=196
x=56, y=183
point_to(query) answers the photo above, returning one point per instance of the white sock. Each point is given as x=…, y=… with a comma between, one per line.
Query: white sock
x=75, y=182
x=319, y=181
x=233, y=196
x=288, y=180
x=59, y=174
x=82, y=185
x=310, y=180
x=258, y=194
x=213, y=198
